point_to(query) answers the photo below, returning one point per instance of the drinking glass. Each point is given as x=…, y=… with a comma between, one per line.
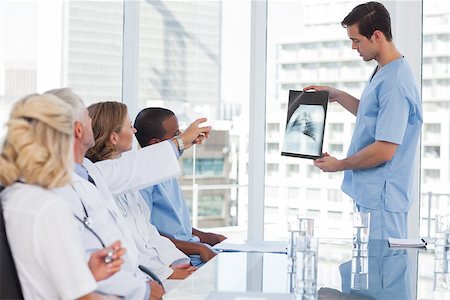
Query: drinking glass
x=306, y=225
x=441, y=278
x=306, y=256
x=361, y=228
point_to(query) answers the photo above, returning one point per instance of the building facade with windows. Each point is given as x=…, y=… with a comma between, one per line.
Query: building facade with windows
x=321, y=54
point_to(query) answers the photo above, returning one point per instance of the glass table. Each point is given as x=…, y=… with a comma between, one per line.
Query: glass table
x=393, y=274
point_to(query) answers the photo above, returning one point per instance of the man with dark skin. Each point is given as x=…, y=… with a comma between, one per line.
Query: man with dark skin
x=169, y=211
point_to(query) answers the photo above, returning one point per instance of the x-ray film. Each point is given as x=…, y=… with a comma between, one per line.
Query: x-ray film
x=305, y=124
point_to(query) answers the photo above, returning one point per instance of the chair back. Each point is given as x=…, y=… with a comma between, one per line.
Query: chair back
x=9, y=281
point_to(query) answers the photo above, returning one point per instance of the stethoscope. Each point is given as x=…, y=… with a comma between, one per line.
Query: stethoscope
x=89, y=227
x=87, y=221
x=88, y=224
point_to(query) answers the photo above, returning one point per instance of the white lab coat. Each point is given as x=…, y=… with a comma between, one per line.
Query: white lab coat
x=47, y=251
x=133, y=171
x=159, y=249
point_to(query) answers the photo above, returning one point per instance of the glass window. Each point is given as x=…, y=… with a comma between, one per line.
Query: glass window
x=336, y=149
x=313, y=194
x=432, y=130
x=313, y=172
x=210, y=206
x=194, y=60
x=335, y=219
x=435, y=185
x=335, y=195
x=335, y=131
x=273, y=130
x=294, y=197
x=315, y=214
x=92, y=42
x=303, y=50
x=431, y=175
x=272, y=169
x=292, y=170
x=203, y=166
x=431, y=151
x=63, y=43
x=273, y=147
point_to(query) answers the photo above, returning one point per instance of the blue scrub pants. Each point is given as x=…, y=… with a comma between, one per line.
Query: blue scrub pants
x=385, y=224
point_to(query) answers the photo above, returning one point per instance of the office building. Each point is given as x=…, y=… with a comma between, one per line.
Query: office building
x=180, y=57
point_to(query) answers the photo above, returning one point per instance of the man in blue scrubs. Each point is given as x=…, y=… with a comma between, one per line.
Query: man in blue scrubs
x=378, y=169
x=169, y=212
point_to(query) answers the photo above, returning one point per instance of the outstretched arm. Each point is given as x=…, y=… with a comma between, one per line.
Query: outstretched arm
x=347, y=101
x=194, y=134
x=130, y=172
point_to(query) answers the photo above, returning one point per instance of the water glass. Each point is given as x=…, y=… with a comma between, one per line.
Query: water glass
x=361, y=228
x=441, y=278
x=360, y=270
x=306, y=225
x=293, y=233
x=306, y=256
x=442, y=224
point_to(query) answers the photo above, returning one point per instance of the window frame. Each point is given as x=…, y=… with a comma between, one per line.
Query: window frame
x=410, y=45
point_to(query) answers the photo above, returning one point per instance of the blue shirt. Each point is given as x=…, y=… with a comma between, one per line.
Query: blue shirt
x=81, y=171
x=169, y=212
x=389, y=110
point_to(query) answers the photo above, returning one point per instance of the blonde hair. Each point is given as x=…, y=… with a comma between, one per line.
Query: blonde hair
x=39, y=143
x=107, y=117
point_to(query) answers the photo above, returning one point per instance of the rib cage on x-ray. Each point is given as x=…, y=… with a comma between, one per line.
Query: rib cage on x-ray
x=305, y=125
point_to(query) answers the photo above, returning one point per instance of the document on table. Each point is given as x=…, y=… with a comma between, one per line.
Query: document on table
x=407, y=243
x=250, y=246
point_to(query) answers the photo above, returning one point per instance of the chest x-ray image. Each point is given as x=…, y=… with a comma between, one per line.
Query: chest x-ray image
x=305, y=125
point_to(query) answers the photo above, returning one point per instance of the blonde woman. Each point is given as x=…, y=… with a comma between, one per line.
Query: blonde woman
x=35, y=161
x=113, y=133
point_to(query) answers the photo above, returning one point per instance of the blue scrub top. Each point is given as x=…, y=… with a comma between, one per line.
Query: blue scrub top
x=169, y=212
x=389, y=110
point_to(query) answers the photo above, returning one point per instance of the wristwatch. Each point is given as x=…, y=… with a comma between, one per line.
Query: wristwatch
x=180, y=143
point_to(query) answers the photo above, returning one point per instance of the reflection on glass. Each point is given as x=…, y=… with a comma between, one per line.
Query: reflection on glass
x=361, y=228
x=441, y=278
x=389, y=274
x=303, y=49
x=193, y=59
x=305, y=268
x=436, y=105
x=360, y=265
x=53, y=44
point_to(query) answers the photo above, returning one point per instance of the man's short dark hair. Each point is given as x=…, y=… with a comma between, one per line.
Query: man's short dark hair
x=149, y=124
x=370, y=16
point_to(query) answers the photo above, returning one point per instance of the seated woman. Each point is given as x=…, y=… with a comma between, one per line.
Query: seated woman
x=113, y=133
x=35, y=161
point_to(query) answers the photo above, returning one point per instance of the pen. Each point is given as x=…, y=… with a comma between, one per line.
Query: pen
x=109, y=256
x=150, y=273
